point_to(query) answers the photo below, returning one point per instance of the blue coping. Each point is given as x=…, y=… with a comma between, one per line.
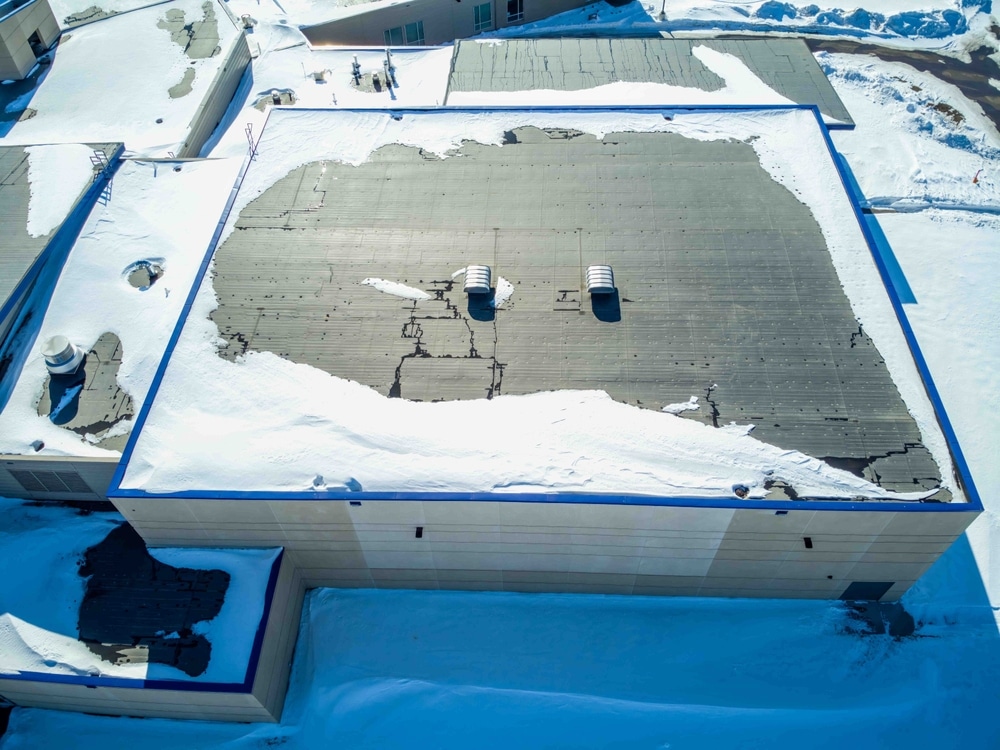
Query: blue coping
x=898, y=278
x=16, y=10
x=50, y=263
x=245, y=686
x=974, y=505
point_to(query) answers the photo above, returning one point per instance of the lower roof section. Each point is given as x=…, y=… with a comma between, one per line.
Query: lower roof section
x=693, y=68
x=39, y=187
x=352, y=364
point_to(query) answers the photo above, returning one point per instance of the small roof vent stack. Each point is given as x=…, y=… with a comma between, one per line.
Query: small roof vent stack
x=62, y=356
x=600, y=280
x=477, y=280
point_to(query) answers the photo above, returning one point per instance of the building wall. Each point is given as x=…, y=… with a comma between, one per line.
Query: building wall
x=263, y=703
x=16, y=56
x=566, y=547
x=443, y=20
x=274, y=667
x=218, y=97
x=48, y=478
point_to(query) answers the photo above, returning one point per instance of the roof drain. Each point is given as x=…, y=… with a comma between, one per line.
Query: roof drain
x=61, y=355
x=477, y=280
x=600, y=280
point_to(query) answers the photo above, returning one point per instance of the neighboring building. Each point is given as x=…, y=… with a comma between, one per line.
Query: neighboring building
x=30, y=265
x=425, y=22
x=27, y=30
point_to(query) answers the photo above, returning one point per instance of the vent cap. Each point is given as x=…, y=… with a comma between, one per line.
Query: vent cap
x=600, y=280
x=477, y=280
x=61, y=355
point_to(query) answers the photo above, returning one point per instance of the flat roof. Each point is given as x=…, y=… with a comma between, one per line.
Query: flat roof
x=19, y=248
x=726, y=291
x=498, y=65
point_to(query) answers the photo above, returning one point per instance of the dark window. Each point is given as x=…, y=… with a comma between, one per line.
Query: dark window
x=415, y=33
x=394, y=37
x=515, y=10
x=484, y=17
x=412, y=34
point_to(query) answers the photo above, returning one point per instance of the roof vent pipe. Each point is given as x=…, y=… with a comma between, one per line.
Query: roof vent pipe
x=61, y=355
x=477, y=280
x=600, y=280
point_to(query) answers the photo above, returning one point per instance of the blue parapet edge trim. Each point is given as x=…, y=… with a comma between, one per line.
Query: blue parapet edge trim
x=61, y=242
x=975, y=505
x=961, y=465
x=882, y=246
x=154, y=386
x=193, y=686
x=884, y=249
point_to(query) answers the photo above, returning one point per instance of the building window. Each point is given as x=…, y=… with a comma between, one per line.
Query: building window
x=415, y=33
x=484, y=17
x=394, y=37
x=515, y=10
x=412, y=34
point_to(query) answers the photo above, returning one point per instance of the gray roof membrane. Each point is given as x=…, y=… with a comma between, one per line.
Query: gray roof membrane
x=786, y=65
x=725, y=289
x=18, y=249
x=99, y=402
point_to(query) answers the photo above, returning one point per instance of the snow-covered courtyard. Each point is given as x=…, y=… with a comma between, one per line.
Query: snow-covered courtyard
x=387, y=669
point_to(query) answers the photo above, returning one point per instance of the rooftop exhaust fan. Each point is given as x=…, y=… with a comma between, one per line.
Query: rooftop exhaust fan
x=477, y=280
x=61, y=355
x=600, y=280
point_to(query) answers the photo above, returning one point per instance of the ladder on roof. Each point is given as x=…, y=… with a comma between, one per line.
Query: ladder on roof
x=102, y=168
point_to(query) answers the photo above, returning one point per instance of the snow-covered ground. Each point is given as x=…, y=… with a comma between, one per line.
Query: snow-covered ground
x=40, y=551
x=949, y=26
x=380, y=669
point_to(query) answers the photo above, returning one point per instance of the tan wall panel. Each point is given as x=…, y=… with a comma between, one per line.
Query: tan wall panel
x=136, y=702
x=274, y=668
x=310, y=512
x=752, y=547
x=220, y=93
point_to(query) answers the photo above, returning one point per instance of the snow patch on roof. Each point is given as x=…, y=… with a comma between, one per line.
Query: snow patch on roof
x=57, y=175
x=742, y=87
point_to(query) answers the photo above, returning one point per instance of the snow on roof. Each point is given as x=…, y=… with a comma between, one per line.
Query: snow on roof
x=285, y=63
x=162, y=212
x=36, y=201
x=741, y=86
x=310, y=431
x=112, y=80
x=39, y=634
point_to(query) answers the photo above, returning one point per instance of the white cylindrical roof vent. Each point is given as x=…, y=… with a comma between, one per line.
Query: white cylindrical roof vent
x=61, y=355
x=600, y=280
x=477, y=280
